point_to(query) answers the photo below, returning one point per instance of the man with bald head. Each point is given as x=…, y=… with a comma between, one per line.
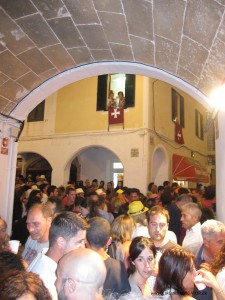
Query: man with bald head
x=80, y=275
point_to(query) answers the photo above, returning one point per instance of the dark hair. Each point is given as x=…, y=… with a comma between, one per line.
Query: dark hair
x=174, y=264
x=166, y=199
x=137, y=245
x=92, y=193
x=32, y=201
x=20, y=283
x=134, y=190
x=165, y=183
x=98, y=233
x=150, y=186
x=207, y=214
x=59, y=207
x=43, y=186
x=51, y=189
x=34, y=193
x=160, y=188
x=66, y=225
x=9, y=262
x=210, y=192
x=175, y=185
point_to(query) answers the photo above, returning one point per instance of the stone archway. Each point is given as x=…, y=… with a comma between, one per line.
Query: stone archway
x=35, y=164
x=160, y=166
x=96, y=161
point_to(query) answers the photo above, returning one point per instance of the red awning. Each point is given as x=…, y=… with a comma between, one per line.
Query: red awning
x=188, y=169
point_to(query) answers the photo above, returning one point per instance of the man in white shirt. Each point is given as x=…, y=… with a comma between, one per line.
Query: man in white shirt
x=190, y=216
x=39, y=220
x=67, y=232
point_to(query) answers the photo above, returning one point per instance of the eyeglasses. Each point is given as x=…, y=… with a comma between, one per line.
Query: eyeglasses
x=155, y=225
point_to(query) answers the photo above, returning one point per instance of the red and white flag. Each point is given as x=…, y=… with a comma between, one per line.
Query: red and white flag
x=116, y=115
x=178, y=134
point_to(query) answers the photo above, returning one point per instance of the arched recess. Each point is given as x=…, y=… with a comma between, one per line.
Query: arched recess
x=67, y=77
x=35, y=164
x=160, y=165
x=95, y=162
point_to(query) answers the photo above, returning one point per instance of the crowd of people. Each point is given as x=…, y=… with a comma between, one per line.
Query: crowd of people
x=91, y=241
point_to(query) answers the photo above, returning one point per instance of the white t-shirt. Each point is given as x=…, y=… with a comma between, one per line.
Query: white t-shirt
x=32, y=248
x=45, y=267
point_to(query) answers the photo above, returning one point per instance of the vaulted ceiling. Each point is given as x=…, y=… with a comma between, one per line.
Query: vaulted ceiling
x=40, y=39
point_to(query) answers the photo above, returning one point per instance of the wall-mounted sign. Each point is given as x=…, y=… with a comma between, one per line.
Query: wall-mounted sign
x=5, y=145
x=134, y=152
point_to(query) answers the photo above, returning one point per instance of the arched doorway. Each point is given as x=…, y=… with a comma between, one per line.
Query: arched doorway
x=97, y=162
x=160, y=166
x=35, y=164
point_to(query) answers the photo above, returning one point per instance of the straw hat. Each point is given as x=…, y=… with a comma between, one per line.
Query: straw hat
x=136, y=208
x=79, y=191
x=35, y=188
x=100, y=192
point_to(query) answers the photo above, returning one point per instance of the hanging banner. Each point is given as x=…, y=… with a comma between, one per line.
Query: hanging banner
x=5, y=145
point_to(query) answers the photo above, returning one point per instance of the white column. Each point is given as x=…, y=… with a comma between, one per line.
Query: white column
x=7, y=173
x=220, y=168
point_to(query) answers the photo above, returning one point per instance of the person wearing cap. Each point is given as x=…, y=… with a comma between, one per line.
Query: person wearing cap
x=138, y=212
x=41, y=179
x=80, y=192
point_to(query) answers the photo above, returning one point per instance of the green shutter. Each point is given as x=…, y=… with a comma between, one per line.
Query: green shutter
x=174, y=105
x=182, y=111
x=102, y=92
x=196, y=122
x=130, y=90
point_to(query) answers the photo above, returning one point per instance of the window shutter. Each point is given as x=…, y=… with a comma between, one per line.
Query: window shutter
x=174, y=105
x=37, y=114
x=196, y=122
x=102, y=92
x=130, y=90
x=201, y=128
x=182, y=111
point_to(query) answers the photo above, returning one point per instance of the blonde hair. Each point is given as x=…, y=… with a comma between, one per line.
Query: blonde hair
x=140, y=218
x=122, y=228
x=117, y=201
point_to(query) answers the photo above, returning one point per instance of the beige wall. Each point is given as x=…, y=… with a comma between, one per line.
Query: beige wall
x=71, y=119
x=164, y=124
x=76, y=108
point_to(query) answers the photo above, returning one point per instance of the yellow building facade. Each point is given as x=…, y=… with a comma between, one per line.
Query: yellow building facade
x=144, y=145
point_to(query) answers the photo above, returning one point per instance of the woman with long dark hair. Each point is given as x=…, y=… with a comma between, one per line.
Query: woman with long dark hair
x=141, y=265
x=176, y=273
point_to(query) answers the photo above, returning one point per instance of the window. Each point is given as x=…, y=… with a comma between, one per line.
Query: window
x=117, y=83
x=177, y=108
x=199, y=125
x=37, y=114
